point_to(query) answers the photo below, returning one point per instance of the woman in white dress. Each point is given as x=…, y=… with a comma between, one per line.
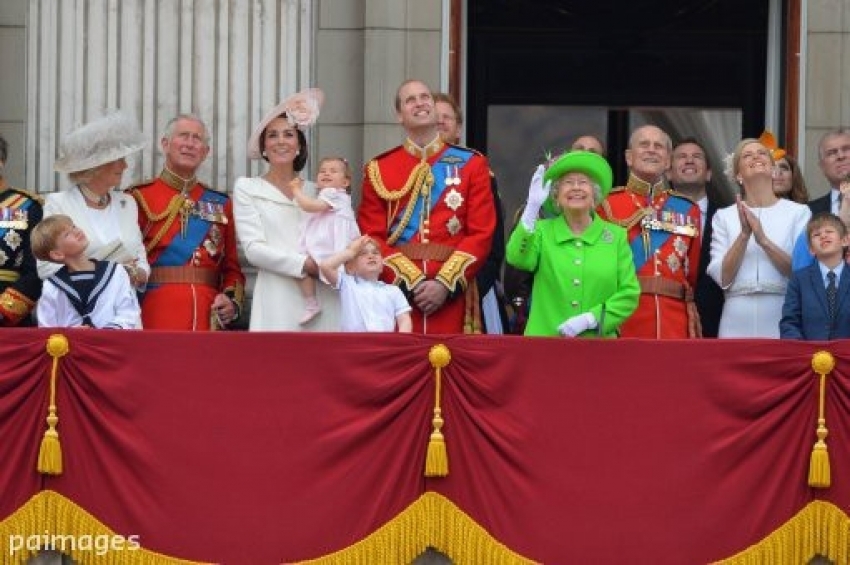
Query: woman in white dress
x=751, y=246
x=268, y=220
x=94, y=157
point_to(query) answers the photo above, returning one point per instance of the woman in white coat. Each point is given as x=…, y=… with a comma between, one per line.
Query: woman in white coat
x=751, y=246
x=94, y=157
x=268, y=220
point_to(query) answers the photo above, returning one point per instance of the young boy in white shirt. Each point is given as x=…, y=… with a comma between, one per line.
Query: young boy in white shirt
x=368, y=305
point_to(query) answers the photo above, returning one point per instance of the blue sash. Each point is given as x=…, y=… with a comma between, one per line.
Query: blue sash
x=657, y=238
x=180, y=249
x=453, y=159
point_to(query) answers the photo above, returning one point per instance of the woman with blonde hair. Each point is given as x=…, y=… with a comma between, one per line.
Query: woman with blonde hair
x=751, y=245
x=94, y=157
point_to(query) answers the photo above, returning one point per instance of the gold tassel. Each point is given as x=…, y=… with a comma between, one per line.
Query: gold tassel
x=50, y=453
x=822, y=362
x=437, y=458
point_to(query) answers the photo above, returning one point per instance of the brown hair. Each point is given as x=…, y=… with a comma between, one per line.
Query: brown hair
x=301, y=159
x=46, y=232
x=450, y=100
x=825, y=219
x=798, y=193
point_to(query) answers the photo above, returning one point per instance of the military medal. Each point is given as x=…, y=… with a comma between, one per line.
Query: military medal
x=673, y=262
x=453, y=225
x=12, y=239
x=452, y=175
x=454, y=200
x=212, y=243
x=13, y=218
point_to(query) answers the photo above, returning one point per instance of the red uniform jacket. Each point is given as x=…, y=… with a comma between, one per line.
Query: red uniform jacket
x=182, y=286
x=663, y=228
x=434, y=221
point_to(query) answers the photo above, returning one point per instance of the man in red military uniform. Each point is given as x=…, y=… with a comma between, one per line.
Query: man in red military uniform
x=430, y=206
x=663, y=228
x=196, y=282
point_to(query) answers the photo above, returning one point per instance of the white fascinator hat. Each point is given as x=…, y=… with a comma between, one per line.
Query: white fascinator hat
x=98, y=142
x=301, y=110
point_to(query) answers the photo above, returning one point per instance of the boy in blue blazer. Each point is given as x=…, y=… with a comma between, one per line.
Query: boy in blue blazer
x=806, y=312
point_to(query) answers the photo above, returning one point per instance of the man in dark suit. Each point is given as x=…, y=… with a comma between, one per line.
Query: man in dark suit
x=690, y=173
x=834, y=162
x=816, y=305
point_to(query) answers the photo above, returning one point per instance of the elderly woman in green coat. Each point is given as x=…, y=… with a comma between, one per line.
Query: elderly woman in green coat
x=584, y=275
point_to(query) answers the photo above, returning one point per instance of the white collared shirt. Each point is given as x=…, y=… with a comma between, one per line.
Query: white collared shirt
x=835, y=200
x=824, y=271
x=703, y=209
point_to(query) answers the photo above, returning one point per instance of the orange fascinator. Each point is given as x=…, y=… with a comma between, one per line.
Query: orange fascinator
x=769, y=140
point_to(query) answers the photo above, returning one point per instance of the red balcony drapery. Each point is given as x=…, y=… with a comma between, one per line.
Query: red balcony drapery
x=262, y=448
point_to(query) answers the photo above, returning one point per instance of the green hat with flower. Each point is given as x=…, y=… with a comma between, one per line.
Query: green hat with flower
x=591, y=164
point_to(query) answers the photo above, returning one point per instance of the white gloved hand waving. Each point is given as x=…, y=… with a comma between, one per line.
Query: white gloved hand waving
x=538, y=192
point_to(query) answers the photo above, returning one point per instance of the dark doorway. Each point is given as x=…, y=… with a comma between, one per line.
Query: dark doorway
x=614, y=58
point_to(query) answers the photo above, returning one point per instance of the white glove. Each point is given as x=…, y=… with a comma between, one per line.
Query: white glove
x=538, y=192
x=578, y=325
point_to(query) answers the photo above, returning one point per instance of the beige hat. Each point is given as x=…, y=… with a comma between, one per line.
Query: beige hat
x=101, y=141
x=301, y=109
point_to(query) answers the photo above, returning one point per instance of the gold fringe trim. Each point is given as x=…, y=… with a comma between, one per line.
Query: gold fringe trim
x=437, y=459
x=50, y=452
x=431, y=521
x=819, y=474
x=821, y=528
x=48, y=518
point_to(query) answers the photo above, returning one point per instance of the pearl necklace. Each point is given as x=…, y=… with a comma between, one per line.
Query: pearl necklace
x=99, y=201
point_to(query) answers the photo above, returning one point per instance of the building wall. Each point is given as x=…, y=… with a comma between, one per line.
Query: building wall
x=827, y=95
x=258, y=51
x=364, y=50
x=358, y=51
x=13, y=107
x=227, y=62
